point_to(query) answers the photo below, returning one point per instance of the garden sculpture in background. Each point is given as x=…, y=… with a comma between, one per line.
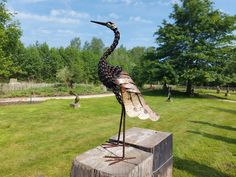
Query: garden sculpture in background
x=227, y=92
x=192, y=92
x=169, y=95
x=125, y=90
x=76, y=102
x=218, y=89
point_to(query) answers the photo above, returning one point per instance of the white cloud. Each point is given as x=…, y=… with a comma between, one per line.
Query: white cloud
x=141, y=2
x=139, y=19
x=44, y=18
x=45, y=31
x=63, y=31
x=164, y=2
x=114, y=16
x=69, y=13
x=32, y=1
x=127, y=2
x=110, y=1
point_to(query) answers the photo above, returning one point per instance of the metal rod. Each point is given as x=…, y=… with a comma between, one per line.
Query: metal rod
x=124, y=133
x=121, y=117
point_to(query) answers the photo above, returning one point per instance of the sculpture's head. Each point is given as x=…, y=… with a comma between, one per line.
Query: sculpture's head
x=109, y=24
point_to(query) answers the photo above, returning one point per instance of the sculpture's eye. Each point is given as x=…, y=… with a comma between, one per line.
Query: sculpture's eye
x=109, y=23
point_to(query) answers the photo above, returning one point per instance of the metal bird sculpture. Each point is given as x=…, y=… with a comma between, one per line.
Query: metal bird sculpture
x=124, y=88
x=77, y=99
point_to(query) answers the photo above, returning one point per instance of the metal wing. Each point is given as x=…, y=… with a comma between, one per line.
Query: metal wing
x=135, y=105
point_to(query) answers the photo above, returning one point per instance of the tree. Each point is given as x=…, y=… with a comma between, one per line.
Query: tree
x=32, y=64
x=10, y=38
x=229, y=71
x=90, y=61
x=96, y=46
x=121, y=57
x=65, y=76
x=75, y=43
x=194, y=43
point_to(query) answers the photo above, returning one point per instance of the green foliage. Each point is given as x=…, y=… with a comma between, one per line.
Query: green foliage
x=151, y=70
x=64, y=75
x=10, y=34
x=76, y=43
x=196, y=47
x=195, y=43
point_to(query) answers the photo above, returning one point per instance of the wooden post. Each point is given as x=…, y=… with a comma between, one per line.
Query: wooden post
x=93, y=164
x=152, y=151
x=156, y=142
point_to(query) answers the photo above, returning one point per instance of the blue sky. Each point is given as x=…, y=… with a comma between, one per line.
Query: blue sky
x=58, y=21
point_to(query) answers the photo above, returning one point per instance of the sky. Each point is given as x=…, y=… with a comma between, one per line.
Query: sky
x=57, y=22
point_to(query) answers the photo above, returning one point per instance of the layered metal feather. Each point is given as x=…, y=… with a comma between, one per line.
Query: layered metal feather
x=135, y=105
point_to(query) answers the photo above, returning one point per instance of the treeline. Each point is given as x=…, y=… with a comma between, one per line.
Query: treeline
x=197, y=47
x=74, y=63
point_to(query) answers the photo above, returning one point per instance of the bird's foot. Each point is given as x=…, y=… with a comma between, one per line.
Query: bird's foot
x=111, y=144
x=116, y=159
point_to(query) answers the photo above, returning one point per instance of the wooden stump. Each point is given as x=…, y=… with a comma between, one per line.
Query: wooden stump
x=156, y=142
x=152, y=151
x=93, y=164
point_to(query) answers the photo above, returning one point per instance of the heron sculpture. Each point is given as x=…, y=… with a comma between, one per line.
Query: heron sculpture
x=125, y=90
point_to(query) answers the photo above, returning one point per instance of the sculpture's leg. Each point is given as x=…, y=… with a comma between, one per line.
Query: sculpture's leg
x=121, y=117
x=123, y=108
x=116, y=159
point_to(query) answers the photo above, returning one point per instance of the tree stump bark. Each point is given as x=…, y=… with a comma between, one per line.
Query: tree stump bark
x=156, y=142
x=152, y=151
x=93, y=164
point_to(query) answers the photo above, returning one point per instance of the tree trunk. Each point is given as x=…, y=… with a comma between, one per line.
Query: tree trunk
x=189, y=87
x=164, y=87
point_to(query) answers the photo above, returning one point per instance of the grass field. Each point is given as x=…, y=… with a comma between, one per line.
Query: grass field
x=42, y=139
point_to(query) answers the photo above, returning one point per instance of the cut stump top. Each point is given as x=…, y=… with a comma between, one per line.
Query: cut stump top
x=93, y=164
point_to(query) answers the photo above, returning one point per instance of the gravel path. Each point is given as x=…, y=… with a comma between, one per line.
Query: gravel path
x=39, y=99
x=231, y=101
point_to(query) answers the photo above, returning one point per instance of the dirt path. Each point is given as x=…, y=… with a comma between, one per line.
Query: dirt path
x=39, y=99
x=231, y=101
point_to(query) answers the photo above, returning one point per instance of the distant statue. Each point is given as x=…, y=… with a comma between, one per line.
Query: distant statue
x=165, y=86
x=76, y=103
x=192, y=91
x=218, y=89
x=31, y=97
x=227, y=92
x=169, y=95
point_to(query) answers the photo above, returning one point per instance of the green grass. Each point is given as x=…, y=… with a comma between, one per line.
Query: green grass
x=54, y=91
x=43, y=139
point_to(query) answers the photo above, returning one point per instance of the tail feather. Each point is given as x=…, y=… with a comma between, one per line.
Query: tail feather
x=129, y=106
x=135, y=105
x=138, y=107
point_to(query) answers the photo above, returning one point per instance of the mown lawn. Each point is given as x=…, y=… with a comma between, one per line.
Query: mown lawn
x=42, y=139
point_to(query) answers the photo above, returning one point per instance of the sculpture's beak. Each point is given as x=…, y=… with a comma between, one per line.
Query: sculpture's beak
x=100, y=23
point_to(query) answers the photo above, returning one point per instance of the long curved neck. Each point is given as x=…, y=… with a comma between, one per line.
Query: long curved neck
x=113, y=46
